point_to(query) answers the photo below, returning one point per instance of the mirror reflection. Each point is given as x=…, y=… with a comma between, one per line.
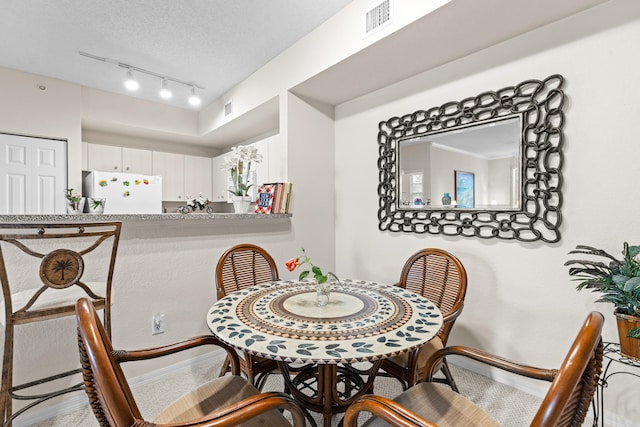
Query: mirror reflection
x=470, y=167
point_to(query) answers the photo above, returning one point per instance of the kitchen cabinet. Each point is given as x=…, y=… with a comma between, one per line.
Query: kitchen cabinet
x=110, y=158
x=183, y=176
x=197, y=176
x=262, y=168
x=220, y=179
x=171, y=167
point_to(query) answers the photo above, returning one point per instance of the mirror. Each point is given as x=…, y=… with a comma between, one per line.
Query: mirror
x=478, y=166
x=486, y=166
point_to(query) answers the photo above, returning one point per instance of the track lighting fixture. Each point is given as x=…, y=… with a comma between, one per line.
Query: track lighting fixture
x=194, y=99
x=164, y=91
x=132, y=84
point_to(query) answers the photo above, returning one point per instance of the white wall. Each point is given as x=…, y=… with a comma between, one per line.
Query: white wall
x=520, y=302
x=55, y=112
x=499, y=188
x=445, y=162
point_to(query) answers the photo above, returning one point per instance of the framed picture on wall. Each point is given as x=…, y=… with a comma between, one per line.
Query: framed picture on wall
x=465, y=189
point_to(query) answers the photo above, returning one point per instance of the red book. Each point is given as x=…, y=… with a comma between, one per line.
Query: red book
x=264, y=203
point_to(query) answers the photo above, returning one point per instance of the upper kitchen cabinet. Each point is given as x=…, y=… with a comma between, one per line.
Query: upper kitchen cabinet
x=110, y=158
x=183, y=176
x=170, y=167
x=220, y=179
x=197, y=176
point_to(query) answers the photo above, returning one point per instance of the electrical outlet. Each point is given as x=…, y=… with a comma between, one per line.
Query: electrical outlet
x=157, y=324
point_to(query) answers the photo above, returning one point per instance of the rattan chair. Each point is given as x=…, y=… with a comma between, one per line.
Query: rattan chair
x=44, y=269
x=428, y=404
x=225, y=401
x=439, y=276
x=239, y=267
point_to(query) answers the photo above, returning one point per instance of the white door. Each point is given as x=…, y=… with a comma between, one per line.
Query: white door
x=33, y=175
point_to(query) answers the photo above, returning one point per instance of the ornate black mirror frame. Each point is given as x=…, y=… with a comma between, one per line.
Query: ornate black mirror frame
x=540, y=105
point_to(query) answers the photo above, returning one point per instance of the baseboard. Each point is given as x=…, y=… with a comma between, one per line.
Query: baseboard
x=78, y=400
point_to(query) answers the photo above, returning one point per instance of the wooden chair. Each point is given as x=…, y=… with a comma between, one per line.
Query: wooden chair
x=225, y=401
x=439, y=276
x=427, y=404
x=44, y=269
x=239, y=267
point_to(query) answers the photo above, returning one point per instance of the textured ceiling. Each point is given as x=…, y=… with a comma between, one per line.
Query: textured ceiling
x=213, y=43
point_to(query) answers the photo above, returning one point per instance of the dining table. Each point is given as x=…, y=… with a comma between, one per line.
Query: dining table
x=319, y=348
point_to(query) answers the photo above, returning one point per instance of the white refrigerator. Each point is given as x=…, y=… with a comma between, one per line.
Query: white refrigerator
x=125, y=193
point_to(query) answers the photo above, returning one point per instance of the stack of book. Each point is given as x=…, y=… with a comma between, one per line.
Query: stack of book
x=274, y=197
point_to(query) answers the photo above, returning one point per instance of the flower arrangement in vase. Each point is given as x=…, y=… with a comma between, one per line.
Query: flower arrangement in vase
x=239, y=166
x=322, y=283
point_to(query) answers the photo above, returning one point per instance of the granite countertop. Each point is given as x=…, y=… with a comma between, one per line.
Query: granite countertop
x=143, y=217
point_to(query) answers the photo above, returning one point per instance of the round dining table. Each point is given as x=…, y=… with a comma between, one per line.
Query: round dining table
x=364, y=321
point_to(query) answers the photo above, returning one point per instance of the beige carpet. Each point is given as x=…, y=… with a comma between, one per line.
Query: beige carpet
x=509, y=406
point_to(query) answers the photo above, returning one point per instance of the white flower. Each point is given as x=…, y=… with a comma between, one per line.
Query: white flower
x=239, y=165
x=229, y=163
x=241, y=154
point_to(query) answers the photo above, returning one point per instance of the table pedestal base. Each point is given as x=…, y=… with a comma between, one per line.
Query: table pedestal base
x=327, y=388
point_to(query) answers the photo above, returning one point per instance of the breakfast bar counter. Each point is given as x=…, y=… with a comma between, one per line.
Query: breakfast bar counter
x=144, y=217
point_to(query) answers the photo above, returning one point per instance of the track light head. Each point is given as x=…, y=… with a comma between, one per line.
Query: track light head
x=165, y=93
x=131, y=83
x=194, y=99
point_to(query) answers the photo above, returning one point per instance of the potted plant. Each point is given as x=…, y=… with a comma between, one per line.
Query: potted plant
x=618, y=282
x=96, y=206
x=75, y=202
x=239, y=166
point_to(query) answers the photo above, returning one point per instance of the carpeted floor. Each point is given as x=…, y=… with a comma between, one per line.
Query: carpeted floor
x=509, y=406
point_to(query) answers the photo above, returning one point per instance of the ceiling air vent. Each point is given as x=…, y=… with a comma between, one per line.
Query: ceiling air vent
x=379, y=16
x=228, y=110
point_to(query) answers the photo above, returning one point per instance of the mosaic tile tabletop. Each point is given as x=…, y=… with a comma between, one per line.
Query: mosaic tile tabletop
x=363, y=321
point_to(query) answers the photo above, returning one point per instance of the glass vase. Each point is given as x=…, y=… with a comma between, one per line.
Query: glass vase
x=323, y=292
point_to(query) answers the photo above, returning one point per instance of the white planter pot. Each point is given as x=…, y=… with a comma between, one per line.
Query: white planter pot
x=241, y=204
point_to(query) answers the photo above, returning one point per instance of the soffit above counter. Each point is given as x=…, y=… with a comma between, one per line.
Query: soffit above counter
x=455, y=30
x=261, y=120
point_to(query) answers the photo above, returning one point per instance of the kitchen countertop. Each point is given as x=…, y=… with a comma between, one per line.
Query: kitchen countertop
x=144, y=217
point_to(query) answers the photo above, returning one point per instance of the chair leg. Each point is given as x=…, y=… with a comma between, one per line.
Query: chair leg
x=448, y=376
x=261, y=379
x=250, y=375
x=7, y=377
x=226, y=365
